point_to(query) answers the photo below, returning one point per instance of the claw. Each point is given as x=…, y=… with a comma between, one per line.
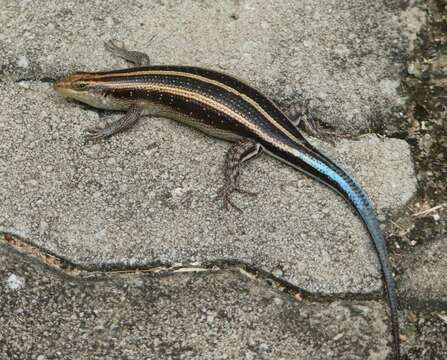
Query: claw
x=95, y=134
x=226, y=192
x=228, y=202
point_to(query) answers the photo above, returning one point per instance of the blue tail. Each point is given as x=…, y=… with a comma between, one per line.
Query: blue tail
x=308, y=159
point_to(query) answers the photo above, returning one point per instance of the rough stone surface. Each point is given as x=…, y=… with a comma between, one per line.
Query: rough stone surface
x=146, y=196
x=424, y=280
x=343, y=57
x=426, y=334
x=189, y=316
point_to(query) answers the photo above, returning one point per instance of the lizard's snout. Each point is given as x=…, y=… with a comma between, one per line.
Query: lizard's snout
x=59, y=85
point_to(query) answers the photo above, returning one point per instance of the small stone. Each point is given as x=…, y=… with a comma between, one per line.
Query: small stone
x=97, y=194
x=24, y=84
x=15, y=282
x=389, y=87
x=22, y=62
x=278, y=301
x=264, y=347
x=414, y=69
x=93, y=150
x=277, y=273
x=177, y=192
x=43, y=227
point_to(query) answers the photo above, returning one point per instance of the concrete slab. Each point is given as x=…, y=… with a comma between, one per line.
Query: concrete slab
x=343, y=57
x=45, y=315
x=146, y=197
x=423, y=281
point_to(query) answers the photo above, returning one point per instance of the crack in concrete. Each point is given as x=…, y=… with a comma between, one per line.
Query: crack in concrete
x=58, y=263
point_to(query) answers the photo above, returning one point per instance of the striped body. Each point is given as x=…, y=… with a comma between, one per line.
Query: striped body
x=227, y=108
x=221, y=106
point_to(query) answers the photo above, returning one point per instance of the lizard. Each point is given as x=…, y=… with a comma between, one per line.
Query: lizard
x=225, y=107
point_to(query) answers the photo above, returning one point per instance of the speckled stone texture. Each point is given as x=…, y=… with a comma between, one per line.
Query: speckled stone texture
x=45, y=315
x=147, y=197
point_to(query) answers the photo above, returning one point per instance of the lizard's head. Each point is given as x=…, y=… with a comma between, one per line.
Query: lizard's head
x=89, y=89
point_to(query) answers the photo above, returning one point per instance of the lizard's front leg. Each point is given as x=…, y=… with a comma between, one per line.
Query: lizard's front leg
x=135, y=57
x=134, y=112
x=127, y=121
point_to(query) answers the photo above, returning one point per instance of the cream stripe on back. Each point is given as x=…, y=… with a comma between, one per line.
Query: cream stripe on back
x=202, y=99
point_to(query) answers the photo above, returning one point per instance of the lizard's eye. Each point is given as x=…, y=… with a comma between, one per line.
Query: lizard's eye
x=80, y=86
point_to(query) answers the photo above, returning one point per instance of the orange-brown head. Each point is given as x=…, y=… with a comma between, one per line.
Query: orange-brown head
x=90, y=89
x=72, y=84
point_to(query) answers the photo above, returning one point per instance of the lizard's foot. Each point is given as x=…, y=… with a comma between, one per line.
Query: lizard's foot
x=227, y=191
